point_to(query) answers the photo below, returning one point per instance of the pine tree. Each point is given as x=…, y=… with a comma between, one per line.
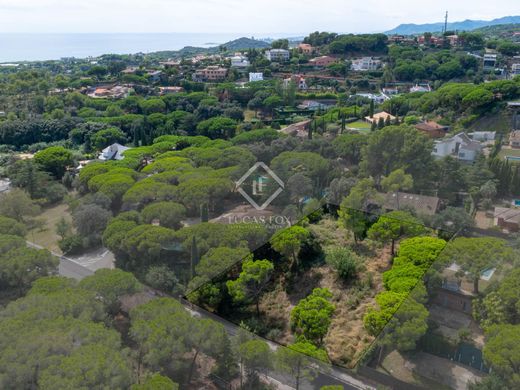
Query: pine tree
x=371, y=110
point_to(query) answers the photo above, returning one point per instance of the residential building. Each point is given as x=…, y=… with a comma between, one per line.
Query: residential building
x=380, y=115
x=514, y=139
x=396, y=38
x=322, y=61
x=170, y=64
x=239, y=61
x=421, y=204
x=390, y=91
x=167, y=90
x=457, y=291
x=210, y=73
x=489, y=61
x=130, y=70
x=113, y=152
x=154, y=75
x=277, y=55
x=377, y=98
x=256, y=77
x=507, y=218
x=420, y=88
x=453, y=39
x=305, y=48
x=113, y=92
x=365, y=64
x=432, y=129
x=515, y=69
x=5, y=185
x=299, y=80
x=299, y=129
x=459, y=146
x=313, y=105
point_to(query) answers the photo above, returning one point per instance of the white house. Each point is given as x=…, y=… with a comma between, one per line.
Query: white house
x=489, y=61
x=113, y=152
x=515, y=69
x=459, y=146
x=377, y=98
x=239, y=61
x=256, y=77
x=420, y=88
x=277, y=55
x=365, y=64
x=5, y=185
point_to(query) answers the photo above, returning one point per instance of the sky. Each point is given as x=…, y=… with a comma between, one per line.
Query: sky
x=237, y=16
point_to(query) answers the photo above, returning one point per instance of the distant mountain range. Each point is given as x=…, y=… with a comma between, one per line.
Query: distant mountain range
x=466, y=25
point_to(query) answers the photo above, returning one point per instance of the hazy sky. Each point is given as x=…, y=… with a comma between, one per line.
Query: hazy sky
x=241, y=16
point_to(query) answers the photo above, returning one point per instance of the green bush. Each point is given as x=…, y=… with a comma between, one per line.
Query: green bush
x=344, y=261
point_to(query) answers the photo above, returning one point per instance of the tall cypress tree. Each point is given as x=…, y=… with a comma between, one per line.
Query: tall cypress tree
x=194, y=256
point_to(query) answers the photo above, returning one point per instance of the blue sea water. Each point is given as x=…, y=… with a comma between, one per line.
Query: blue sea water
x=34, y=47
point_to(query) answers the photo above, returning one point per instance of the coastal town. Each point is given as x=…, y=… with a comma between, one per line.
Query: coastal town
x=335, y=211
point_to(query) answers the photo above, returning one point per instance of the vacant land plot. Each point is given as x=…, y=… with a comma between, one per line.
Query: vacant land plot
x=45, y=235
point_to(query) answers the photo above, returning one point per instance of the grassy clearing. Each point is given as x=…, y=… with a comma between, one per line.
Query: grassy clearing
x=361, y=125
x=46, y=234
x=249, y=115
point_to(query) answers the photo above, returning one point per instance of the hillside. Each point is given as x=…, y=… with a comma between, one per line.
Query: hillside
x=466, y=25
x=499, y=30
x=234, y=45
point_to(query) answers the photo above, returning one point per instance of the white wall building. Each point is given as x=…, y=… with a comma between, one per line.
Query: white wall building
x=239, y=61
x=459, y=146
x=256, y=77
x=113, y=152
x=277, y=55
x=365, y=64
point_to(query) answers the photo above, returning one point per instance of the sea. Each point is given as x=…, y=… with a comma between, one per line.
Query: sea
x=16, y=47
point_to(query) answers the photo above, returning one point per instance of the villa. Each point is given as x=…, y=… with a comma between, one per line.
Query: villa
x=239, y=61
x=210, y=73
x=305, y=48
x=380, y=115
x=507, y=218
x=432, y=129
x=322, y=62
x=514, y=139
x=365, y=64
x=113, y=152
x=258, y=76
x=277, y=55
x=459, y=146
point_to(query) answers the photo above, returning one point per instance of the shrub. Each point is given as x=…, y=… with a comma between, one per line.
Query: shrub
x=344, y=262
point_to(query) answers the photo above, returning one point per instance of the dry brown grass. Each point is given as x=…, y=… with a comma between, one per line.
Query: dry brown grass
x=46, y=235
x=347, y=339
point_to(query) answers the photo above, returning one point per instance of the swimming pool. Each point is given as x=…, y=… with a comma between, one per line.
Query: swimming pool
x=487, y=274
